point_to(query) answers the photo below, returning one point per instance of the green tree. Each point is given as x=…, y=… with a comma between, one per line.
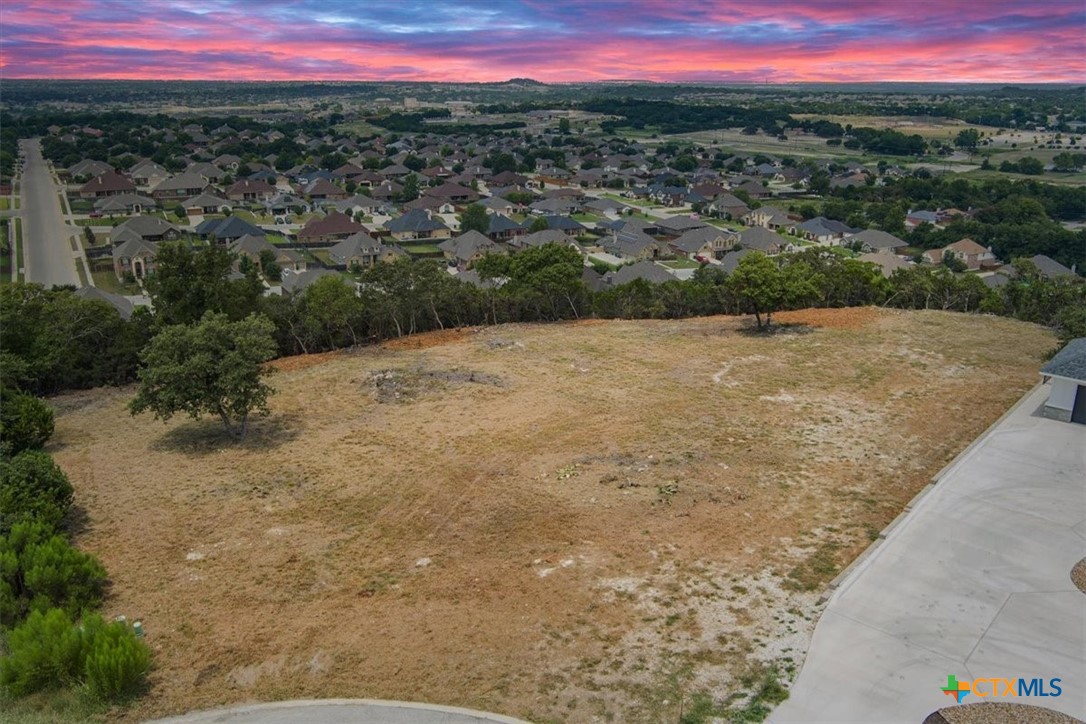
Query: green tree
x=26, y=422
x=188, y=283
x=410, y=190
x=563, y=126
x=215, y=366
x=1032, y=166
x=539, y=223
x=33, y=488
x=474, y=217
x=967, y=139
x=334, y=309
x=269, y=267
x=40, y=570
x=763, y=287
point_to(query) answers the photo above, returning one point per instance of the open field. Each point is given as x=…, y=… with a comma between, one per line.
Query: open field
x=604, y=519
x=930, y=127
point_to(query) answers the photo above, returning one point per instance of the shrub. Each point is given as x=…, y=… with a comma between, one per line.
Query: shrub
x=41, y=570
x=32, y=487
x=25, y=422
x=116, y=662
x=49, y=651
x=45, y=651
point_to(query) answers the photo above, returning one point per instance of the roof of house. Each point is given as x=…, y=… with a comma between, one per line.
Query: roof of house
x=232, y=227
x=693, y=240
x=123, y=201
x=966, y=246
x=1069, y=362
x=1049, y=266
x=415, y=220
x=732, y=258
x=821, y=226
x=250, y=186
x=877, y=239
x=90, y=167
x=680, y=224
x=539, y=238
x=204, y=201
x=110, y=181
x=334, y=224
x=146, y=226
x=123, y=306
x=761, y=239
x=646, y=270
x=888, y=263
x=182, y=182
x=251, y=244
x=134, y=246
x=500, y=223
x=451, y=191
x=467, y=245
x=297, y=281
x=323, y=187
x=354, y=245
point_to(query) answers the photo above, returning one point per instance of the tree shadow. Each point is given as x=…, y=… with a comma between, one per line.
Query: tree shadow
x=77, y=520
x=207, y=436
x=776, y=329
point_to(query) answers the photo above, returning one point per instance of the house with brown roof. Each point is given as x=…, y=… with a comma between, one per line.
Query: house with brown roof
x=183, y=186
x=322, y=188
x=453, y=192
x=707, y=243
x=972, y=254
x=771, y=217
x=250, y=190
x=467, y=248
x=136, y=257
x=323, y=230
x=110, y=183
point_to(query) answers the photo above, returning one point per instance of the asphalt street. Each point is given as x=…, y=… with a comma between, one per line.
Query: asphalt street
x=47, y=251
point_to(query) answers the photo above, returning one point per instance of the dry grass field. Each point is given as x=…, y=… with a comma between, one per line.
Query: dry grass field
x=599, y=521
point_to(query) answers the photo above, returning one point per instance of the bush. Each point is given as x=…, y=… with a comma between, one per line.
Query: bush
x=26, y=422
x=32, y=487
x=50, y=651
x=43, y=652
x=116, y=662
x=40, y=570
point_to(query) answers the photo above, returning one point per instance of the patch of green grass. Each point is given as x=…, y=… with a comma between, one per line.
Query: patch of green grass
x=62, y=706
x=107, y=281
x=681, y=264
x=421, y=249
x=817, y=570
x=18, y=245
x=5, y=203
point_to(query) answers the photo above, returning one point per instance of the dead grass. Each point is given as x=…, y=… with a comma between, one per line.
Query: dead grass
x=639, y=512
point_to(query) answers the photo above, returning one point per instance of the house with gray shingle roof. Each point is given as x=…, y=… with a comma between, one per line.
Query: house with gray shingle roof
x=134, y=256
x=467, y=248
x=122, y=305
x=708, y=242
x=645, y=270
x=147, y=228
x=417, y=224
x=1067, y=373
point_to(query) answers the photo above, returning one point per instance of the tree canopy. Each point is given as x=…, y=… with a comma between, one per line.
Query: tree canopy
x=215, y=366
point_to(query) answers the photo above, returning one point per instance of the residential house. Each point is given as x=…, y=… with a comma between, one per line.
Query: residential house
x=362, y=251
x=731, y=260
x=148, y=174
x=771, y=217
x=972, y=254
x=296, y=282
x=708, y=242
x=123, y=306
x=321, y=188
x=250, y=190
x=124, y=204
x=205, y=204
x=644, y=270
x=1050, y=268
x=727, y=206
x=134, y=256
x=873, y=240
x=502, y=228
x=183, y=186
x=253, y=246
x=417, y=224
x=88, y=168
x=887, y=263
x=635, y=244
x=464, y=250
x=327, y=229
x=762, y=239
x=827, y=232
x=676, y=226
x=145, y=228
x=455, y=193
x=754, y=189
x=110, y=183
x=227, y=230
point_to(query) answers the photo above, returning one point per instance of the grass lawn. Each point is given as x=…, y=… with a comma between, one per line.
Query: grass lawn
x=107, y=281
x=488, y=524
x=18, y=245
x=421, y=249
x=321, y=255
x=5, y=203
x=586, y=218
x=681, y=264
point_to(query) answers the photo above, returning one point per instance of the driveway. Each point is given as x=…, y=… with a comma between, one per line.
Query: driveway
x=974, y=582
x=331, y=711
x=47, y=250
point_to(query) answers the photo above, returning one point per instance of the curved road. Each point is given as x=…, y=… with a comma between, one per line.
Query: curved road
x=330, y=711
x=47, y=247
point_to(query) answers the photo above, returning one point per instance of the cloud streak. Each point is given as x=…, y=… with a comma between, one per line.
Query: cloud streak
x=550, y=40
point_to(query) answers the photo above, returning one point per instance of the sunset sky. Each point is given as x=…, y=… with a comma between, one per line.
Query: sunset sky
x=549, y=40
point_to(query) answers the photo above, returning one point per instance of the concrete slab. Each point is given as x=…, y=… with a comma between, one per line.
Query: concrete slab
x=974, y=582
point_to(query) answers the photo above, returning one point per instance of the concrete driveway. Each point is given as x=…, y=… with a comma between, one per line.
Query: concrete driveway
x=333, y=711
x=974, y=582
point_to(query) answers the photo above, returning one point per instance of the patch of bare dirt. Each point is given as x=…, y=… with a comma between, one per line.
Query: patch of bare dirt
x=431, y=339
x=1078, y=575
x=638, y=512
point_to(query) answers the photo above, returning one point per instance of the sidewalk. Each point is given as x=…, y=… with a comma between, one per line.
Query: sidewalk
x=974, y=582
x=330, y=711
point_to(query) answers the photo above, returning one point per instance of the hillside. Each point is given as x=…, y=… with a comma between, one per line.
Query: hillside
x=555, y=522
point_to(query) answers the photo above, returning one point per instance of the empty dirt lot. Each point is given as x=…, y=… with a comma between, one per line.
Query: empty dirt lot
x=598, y=521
